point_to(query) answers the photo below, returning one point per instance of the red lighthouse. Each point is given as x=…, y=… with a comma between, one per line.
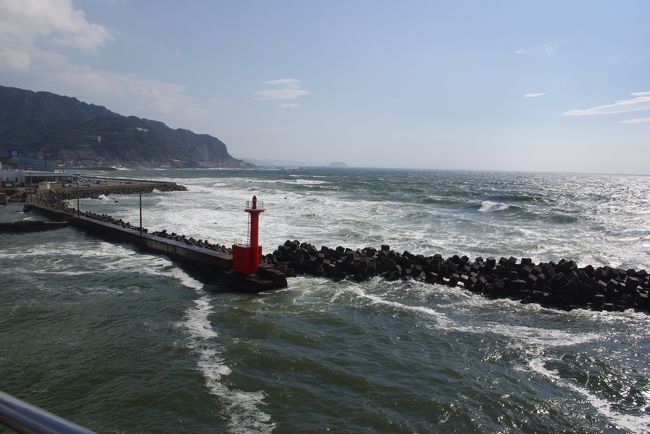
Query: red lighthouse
x=247, y=258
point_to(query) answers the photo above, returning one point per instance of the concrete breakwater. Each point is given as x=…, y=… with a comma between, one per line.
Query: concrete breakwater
x=57, y=200
x=190, y=241
x=561, y=285
x=213, y=260
x=30, y=226
x=132, y=187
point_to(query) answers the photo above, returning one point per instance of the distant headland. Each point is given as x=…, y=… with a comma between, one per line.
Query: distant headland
x=76, y=134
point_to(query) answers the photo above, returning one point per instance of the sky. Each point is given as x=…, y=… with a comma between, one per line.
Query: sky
x=485, y=85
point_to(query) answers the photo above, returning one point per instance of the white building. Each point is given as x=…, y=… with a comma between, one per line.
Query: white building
x=22, y=177
x=12, y=175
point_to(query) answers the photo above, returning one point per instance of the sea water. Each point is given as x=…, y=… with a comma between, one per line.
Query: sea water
x=119, y=340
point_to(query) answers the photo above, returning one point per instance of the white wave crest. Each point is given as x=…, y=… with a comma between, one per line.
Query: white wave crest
x=539, y=337
x=309, y=182
x=65, y=273
x=241, y=407
x=197, y=322
x=626, y=421
x=185, y=279
x=489, y=206
x=534, y=340
x=73, y=249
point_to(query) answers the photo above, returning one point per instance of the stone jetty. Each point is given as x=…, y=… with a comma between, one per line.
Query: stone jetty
x=30, y=226
x=560, y=285
x=210, y=259
x=95, y=191
x=57, y=200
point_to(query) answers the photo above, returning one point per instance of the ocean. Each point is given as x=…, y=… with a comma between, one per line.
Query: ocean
x=122, y=341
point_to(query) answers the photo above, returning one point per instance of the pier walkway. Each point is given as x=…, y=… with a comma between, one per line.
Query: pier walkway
x=213, y=263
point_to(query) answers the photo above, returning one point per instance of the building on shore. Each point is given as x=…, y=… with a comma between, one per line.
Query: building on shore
x=16, y=177
x=23, y=172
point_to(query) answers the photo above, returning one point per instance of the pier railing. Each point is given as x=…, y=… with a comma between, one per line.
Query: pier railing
x=26, y=418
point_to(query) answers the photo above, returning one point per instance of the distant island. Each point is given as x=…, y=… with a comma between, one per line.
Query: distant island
x=338, y=164
x=54, y=127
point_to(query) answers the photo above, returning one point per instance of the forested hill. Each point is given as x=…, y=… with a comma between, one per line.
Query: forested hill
x=46, y=125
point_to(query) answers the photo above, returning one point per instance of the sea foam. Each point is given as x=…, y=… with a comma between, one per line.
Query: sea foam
x=241, y=406
x=490, y=206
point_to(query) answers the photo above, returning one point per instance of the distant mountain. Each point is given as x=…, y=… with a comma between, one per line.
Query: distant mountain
x=46, y=125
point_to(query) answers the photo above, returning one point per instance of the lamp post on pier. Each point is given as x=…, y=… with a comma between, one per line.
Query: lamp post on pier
x=140, y=214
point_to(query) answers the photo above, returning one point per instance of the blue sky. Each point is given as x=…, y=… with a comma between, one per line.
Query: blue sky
x=500, y=85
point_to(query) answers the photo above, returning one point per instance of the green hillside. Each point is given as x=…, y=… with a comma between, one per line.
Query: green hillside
x=46, y=125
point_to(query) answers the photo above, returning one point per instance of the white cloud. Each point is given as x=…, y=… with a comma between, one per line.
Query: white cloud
x=289, y=82
x=640, y=102
x=275, y=94
x=33, y=36
x=533, y=95
x=636, y=121
x=145, y=95
x=14, y=60
x=546, y=50
x=285, y=88
x=26, y=23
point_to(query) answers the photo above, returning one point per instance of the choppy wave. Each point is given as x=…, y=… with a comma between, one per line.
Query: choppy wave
x=532, y=343
x=563, y=218
x=392, y=331
x=490, y=206
x=308, y=182
x=533, y=336
x=444, y=201
x=630, y=422
x=242, y=408
x=518, y=197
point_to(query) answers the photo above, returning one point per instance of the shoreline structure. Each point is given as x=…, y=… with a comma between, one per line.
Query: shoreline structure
x=212, y=260
x=560, y=285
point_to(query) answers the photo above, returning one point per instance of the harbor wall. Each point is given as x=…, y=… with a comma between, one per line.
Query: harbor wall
x=559, y=285
x=195, y=256
x=217, y=265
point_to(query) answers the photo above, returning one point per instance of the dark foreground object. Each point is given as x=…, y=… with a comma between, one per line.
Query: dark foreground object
x=30, y=226
x=561, y=285
x=25, y=418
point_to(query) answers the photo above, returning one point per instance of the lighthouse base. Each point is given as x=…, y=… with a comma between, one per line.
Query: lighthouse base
x=246, y=259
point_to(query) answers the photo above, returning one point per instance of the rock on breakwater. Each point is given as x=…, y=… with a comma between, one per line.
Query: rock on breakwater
x=95, y=191
x=57, y=201
x=560, y=285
